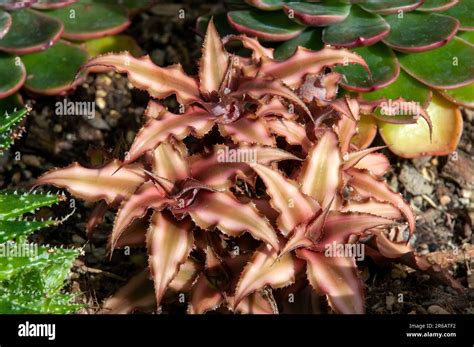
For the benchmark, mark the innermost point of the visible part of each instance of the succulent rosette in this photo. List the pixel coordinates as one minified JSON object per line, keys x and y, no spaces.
{"x":42,"y":41}
{"x":278,"y":171}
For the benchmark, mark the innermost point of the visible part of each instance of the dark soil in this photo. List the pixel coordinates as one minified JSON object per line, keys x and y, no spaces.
{"x":440,"y":189}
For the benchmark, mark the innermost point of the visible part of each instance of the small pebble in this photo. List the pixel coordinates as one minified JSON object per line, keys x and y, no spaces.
{"x":435,"y":309}
{"x":444,"y":200}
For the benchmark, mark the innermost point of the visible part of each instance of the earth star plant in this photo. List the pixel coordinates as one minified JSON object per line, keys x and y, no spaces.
{"x":39,"y":39}
{"x":230,"y":232}
{"x":416,"y":50}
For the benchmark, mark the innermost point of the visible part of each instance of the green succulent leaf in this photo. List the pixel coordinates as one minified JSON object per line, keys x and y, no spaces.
{"x":463,"y":96}
{"x":383,"y":65}
{"x":276,"y":27}
{"x":5,"y":23}
{"x":437,"y":5}
{"x":116,"y":44}
{"x":15,"y":205}
{"x":51,"y":79}
{"x":12,"y":74}
{"x":418,"y":31}
{"x":464,"y":12}
{"x":91,"y":19}
{"x":467,"y":36}
{"x":447,"y":67}
{"x":405,"y":87}
{"x":11,"y":230}
{"x":390,"y":6}
{"x":361,"y":28}
{"x":310,"y":38}
{"x":317,"y":14}
{"x":31,"y":302}
{"x":220,"y":21}
{"x":8,"y":121}
{"x":268,"y":5}
{"x":132,"y":5}
{"x":31,"y":31}
{"x":50,"y":4}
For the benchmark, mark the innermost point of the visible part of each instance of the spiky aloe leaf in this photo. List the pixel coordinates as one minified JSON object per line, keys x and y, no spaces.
{"x":427,"y":31}
{"x":91,"y":19}
{"x":19,"y":39}
{"x":360,"y":28}
{"x":14,"y":205}
{"x":8,"y":123}
{"x":412,"y":140}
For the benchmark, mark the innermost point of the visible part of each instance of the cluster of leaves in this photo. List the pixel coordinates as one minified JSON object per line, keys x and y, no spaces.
{"x":31,"y":276}
{"x":416,"y":50}
{"x":42,"y":41}
{"x":238,"y":197}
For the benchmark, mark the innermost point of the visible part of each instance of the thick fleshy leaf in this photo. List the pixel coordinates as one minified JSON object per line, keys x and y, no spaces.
{"x":248,"y":130}
{"x":375,"y":207}
{"x":339,"y":226}
{"x":390,"y":6}
{"x":12,"y":75}
{"x":337,"y":277}
{"x":204,"y":297}
{"x":320,"y":174}
{"x":368,"y":186}
{"x":405,"y":87}
{"x":383,"y":65}
{"x":148,"y":196}
{"x":463,"y":96}
{"x":194,"y":121}
{"x":437,"y":5}
{"x":5,"y":23}
{"x":463,"y":11}
{"x":310,"y":38}
{"x":359,"y":29}
{"x":255,"y":303}
{"x":144,"y":74}
{"x":51,"y":79}
{"x":454,"y":65}
{"x":50,"y":4}
{"x":276,"y":27}
{"x":314,"y":14}
{"x":137,"y":294}
{"x":418,"y":32}
{"x":258,"y":51}
{"x":13,"y":205}
{"x":306,"y":61}
{"x":220,"y":168}
{"x":268,"y":5}
{"x":31,"y":31}
{"x":214,"y":62}
{"x":466,"y":36}
{"x":275,"y":107}
{"x":224,"y":211}
{"x":285,"y":196}
{"x":113,"y":44}
{"x":169,"y":243}
{"x":265,"y":268}
{"x":108,"y":183}
{"x":413,"y":140}
{"x":91,"y":20}
{"x":293,"y":132}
